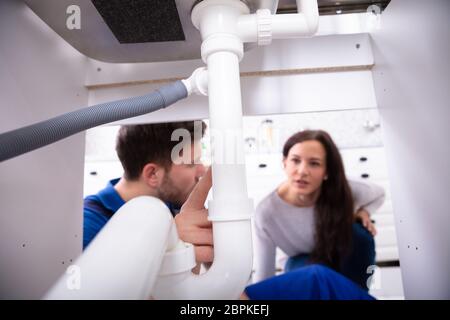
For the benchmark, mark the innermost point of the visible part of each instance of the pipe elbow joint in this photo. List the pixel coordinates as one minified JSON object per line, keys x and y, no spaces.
{"x":198,"y":82}
{"x":224,"y":280}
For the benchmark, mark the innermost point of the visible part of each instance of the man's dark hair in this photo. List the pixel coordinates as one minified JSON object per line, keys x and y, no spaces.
{"x":138,"y":145}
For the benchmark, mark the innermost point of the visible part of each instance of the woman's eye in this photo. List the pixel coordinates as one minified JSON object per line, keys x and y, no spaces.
{"x":315,"y":164}
{"x":295,"y":161}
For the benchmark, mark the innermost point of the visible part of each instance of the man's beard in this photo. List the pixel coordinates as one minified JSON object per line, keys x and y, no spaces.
{"x":170,"y":192}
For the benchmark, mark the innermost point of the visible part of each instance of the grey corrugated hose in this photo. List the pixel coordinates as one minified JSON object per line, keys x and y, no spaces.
{"x":16,"y":142}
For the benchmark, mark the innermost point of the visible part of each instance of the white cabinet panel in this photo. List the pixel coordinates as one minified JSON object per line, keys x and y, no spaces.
{"x":383,"y":220}
{"x":369,"y":164}
{"x":365,"y":163}
{"x":386,"y":237}
{"x":386,"y":207}
{"x":97,"y":174}
{"x":389,"y":253}
{"x":264,"y":165}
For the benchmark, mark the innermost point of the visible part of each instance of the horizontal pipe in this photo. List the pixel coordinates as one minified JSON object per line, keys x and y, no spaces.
{"x":124,"y":259}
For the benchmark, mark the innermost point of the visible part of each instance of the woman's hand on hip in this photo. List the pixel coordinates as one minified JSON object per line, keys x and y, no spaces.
{"x":363,"y":216}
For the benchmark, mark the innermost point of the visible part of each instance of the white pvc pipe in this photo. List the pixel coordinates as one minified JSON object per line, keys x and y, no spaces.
{"x":225,"y":113}
{"x":247,"y":26}
{"x":124,"y":259}
{"x":198,"y":82}
{"x":263,"y":26}
{"x":303,"y":23}
{"x":227,"y":277}
{"x":230,"y":210}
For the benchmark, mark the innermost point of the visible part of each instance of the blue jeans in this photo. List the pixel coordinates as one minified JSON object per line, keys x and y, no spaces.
{"x":354,"y":266}
{"x":313,"y":282}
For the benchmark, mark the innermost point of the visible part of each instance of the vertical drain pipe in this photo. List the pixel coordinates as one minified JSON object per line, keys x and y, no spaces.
{"x":230,"y":210}
{"x":224,"y":26}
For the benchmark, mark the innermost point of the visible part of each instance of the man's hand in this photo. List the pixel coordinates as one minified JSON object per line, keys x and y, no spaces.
{"x":363,"y":216}
{"x":192,"y":221}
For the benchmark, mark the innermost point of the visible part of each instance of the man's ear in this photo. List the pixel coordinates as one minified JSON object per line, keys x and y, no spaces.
{"x":152,"y":174}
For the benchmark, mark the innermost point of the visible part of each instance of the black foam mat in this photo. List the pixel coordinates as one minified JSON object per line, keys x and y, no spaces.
{"x":138,"y":21}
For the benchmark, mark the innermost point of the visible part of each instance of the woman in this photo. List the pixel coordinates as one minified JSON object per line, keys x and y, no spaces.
{"x":315,"y":282}
{"x":311,"y":215}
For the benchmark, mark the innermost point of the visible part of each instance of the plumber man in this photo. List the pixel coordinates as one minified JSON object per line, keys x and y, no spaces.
{"x":155,"y":165}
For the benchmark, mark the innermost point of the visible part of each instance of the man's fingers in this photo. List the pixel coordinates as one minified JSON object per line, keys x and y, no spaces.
{"x":200,"y":218}
{"x":197,"y":198}
{"x":197,"y":218}
{"x":199,"y":236}
{"x":204,"y":253}
{"x":201,"y":222}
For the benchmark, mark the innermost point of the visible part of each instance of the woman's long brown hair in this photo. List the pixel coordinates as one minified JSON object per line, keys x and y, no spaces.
{"x":334,"y":207}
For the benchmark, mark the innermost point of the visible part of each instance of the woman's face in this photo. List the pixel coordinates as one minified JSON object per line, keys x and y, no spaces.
{"x":305,"y":166}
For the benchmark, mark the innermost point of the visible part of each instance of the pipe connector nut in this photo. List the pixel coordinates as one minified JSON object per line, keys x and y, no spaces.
{"x":226,"y":210}
{"x":264,"y":26}
{"x":220,"y":42}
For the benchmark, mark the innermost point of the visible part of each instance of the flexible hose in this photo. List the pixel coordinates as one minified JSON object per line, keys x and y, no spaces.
{"x":19,"y":141}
